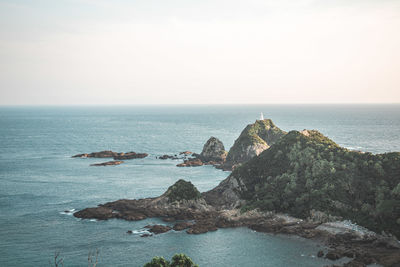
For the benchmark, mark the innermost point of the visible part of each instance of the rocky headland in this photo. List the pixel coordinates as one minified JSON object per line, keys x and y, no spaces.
{"x":253,"y":140}
{"x":303,"y":184}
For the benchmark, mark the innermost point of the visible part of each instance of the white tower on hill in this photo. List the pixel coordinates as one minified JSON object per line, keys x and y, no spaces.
{"x":262,"y":116}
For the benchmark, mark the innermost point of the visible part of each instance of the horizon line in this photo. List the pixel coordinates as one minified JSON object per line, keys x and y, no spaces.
{"x":199,"y":104}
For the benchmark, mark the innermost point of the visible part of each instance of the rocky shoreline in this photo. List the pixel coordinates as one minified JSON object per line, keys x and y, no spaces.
{"x":194,"y":215}
{"x":274,"y":172}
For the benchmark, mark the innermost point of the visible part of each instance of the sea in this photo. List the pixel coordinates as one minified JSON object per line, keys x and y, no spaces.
{"x":41,"y":185}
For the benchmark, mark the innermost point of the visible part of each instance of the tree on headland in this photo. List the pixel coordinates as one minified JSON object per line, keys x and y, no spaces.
{"x":178,"y":260}
{"x":181,"y":260}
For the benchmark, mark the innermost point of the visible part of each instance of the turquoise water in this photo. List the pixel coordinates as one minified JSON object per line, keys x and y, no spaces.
{"x":39,"y":179}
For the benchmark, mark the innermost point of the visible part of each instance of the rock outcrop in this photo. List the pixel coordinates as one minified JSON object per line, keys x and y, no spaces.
{"x":192,"y":162}
{"x":253,"y":140}
{"x":213,"y":150}
{"x":158,"y":228}
{"x":182,"y":201}
{"x":130,"y":155}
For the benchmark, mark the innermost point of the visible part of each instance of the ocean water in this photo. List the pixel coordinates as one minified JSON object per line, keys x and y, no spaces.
{"x":39,"y":180}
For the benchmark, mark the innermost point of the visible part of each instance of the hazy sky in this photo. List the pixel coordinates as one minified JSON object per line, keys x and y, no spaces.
{"x":209,"y":51}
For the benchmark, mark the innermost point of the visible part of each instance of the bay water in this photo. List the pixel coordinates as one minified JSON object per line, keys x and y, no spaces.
{"x":39,"y":180}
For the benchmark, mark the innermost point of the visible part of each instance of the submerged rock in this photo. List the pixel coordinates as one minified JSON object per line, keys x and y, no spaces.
{"x":168,"y":157}
{"x":158,"y":229}
{"x":108,"y":163}
{"x":145,"y":235}
{"x":101,"y":154}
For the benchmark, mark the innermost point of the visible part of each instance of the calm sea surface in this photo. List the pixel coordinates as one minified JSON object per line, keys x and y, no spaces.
{"x":39,"y":180}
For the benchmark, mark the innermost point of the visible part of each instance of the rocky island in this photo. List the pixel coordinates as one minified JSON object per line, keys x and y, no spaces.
{"x":303,"y":184}
{"x":213,"y":153}
{"x":117,"y":156}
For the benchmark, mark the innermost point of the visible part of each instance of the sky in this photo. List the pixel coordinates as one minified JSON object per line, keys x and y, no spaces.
{"x":131,"y":52}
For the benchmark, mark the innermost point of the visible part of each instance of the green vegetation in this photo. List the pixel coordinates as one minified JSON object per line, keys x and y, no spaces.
{"x":157,"y":262}
{"x":182,"y":190}
{"x":262,"y":132}
{"x":178,"y":260}
{"x":305,"y":171}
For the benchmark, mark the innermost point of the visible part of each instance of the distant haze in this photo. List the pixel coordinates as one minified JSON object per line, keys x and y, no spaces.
{"x":199,"y":52}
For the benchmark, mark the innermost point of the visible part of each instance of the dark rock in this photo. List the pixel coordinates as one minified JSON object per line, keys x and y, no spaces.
{"x":112,"y":154}
{"x":169,"y":219}
{"x":201,"y":228}
{"x":130,"y":155}
{"x":108,"y":163}
{"x":349,"y":254}
{"x":182,"y":226}
{"x":167,"y":157}
{"x":191,"y":163}
{"x":320,"y":254}
{"x":158,"y":229}
{"x":101,"y":154}
{"x":333,"y":255}
{"x":129,"y":232}
{"x":99,"y":213}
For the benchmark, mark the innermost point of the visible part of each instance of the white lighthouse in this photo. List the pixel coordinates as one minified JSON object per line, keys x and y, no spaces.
{"x":262,"y":116}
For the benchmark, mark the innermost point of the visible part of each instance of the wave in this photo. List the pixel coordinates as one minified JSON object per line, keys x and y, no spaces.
{"x":141,"y":232}
{"x":68,"y":212}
